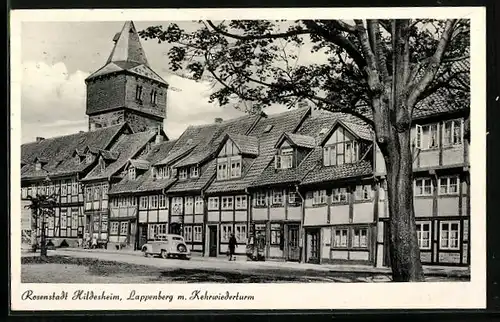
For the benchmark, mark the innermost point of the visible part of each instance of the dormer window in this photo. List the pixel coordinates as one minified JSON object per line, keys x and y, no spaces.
{"x":163,"y":172}
{"x":138,"y":93}
{"x":284,"y":160}
{"x":229,"y":168}
{"x":153,"y":96}
{"x":183,"y":173}
{"x":102,"y":165}
{"x":131,"y":173}
{"x":340,"y":148}
{"x":38,"y":166}
{"x":194,"y":172}
{"x":88,"y":158}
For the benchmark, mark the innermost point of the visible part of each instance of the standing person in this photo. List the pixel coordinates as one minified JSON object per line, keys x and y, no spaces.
{"x":232,"y":246}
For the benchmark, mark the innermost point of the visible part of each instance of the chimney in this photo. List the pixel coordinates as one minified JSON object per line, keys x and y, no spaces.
{"x":81,"y":132}
{"x":39,"y":139}
{"x":218,"y":120}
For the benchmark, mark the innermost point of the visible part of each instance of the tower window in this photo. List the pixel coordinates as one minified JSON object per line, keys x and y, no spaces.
{"x":154,"y":95}
{"x":138,"y":93}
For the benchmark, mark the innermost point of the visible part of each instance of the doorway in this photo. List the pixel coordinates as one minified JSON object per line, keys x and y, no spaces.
{"x":143,"y":235}
{"x":312,"y":246}
{"x":212,"y":241}
{"x":293,"y":243}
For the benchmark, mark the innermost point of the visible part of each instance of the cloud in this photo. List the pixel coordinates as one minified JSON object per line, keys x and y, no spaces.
{"x":53,"y":101}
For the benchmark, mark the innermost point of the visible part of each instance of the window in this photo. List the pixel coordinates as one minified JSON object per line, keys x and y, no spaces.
{"x":284,"y":160}
{"x":449,"y":235}
{"x":153,"y":96}
{"x":221,"y":170}
{"x":363,"y":193}
{"x":227,"y":203}
{"x":340,"y":238}
{"x":188,"y":204}
{"x":293,"y":198}
{"x":360,"y":238}
{"x":188,"y":233}
{"x":153,"y":202}
{"x":423,"y":235}
{"x":64,"y":190}
{"x":183,"y":173}
{"x":131,"y":173}
{"x":24,"y":193}
{"x":74,"y":188}
{"x":277,"y":197}
{"x":88,"y":158}
{"x":138,"y":92}
{"x":177,"y":206}
{"x":260,"y":199}
{"x":339,"y":195}
{"x":213,"y":203}
{"x":427,"y":136}
{"x":162,"y":201}
{"x":113,"y":228}
{"x":235,"y":168}
{"x":97,"y":193}
{"x":453,"y":132}
{"x":226,"y":231}
{"x":197,"y":234}
{"x":143,"y":202}
{"x":195,"y":172}
{"x":423,"y":187}
{"x":448,"y":185}
{"x":124,"y":228}
{"x":276,"y":234}
{"x":340,"y":152}
{"x":114,"y":202}
{"x":240,"y":232}
{"x":319,"y":197}
{"x":198,"y":205}
{"x":88,"y":193}
{"x":38,"y":166}
{"x":163,"y":172}
{"x":241,"y":202}
{"x":158,"y":231}
{"x":104,"y":191}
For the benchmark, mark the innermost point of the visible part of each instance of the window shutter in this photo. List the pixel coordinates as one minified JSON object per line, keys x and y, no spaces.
{"x":418,"y":137}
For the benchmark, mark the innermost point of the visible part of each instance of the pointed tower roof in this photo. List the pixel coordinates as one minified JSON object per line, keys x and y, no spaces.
{"x":128,"y":46}
{"x":128,"y":55}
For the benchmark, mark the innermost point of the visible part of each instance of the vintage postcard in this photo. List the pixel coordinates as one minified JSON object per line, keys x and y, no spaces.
{"x":248,"y":159}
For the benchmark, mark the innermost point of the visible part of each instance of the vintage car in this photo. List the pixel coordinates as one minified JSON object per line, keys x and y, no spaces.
{"x":167,"y":246}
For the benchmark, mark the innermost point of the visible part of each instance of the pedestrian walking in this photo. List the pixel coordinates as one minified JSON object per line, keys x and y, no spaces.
{"x":232,"y":246}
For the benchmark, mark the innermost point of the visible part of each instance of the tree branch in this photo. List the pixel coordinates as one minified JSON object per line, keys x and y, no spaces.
{"x":371,"y":62}
{"x":265,"y":36}
{"x":434,"y":63}
{"x":342,"y":25}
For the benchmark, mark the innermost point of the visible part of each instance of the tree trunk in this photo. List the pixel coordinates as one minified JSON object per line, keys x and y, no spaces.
{"x":43,"y":242}
{"x":34,"y":240}
{"x":404,"y":249}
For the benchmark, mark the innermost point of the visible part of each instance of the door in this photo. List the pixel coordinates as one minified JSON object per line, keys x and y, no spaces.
{"x":293,"y":243}
{"x":313,"y":246}
{"x":132,"y":234}
{"x":387,"y":254}
{"x":143,"y":235}
{"x":212,"y":241}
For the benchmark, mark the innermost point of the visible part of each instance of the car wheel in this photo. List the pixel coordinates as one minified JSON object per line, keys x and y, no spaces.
{"x":164,"y":254}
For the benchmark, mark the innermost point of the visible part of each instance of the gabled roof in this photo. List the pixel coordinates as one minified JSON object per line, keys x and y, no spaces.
{"x":358,"y":130}
{"x":139,"y":164}
{"x":127,"y":55}
{"x":297,"y":140}
{"x":246,"y":144}
{"x":128,"y":146}
{"x":109,"y":155}
{"x":60,"y":151}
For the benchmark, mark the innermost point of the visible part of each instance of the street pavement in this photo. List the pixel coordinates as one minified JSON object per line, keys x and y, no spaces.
{"x":241,"y":265}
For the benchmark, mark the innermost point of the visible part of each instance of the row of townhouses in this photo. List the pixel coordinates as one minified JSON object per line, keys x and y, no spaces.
{"x":311,"y":182}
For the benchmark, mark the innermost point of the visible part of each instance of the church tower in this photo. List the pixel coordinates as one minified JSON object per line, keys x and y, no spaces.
{"x":126,"y":89}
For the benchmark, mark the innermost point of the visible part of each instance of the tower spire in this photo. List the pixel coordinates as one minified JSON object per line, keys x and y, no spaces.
{"x":128,"y":46}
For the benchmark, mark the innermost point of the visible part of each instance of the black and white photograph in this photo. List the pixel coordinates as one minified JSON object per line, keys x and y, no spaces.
{"x":231,"y":149}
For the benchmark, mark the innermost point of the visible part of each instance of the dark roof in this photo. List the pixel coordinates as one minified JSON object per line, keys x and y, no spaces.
{"x":361,"y":130}
{"x":321,"y":173}
{"x":298,"y":140}
{"x":109,"y":155}
{"x":59,"y":151}
{"x":127,"y":146}
{"x":246,"y":144}
{"x":283,"y":122}
{"x":139,"y":164}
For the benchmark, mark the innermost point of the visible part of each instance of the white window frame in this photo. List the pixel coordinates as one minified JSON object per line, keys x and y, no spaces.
{"x":143,"y":202}
{"x":421,"y":234}
{"x":177,"y":204}
{"x":183,"y":174}
{"x":447,"y":185}
{"x":363,"y":193}
{"x":236,"y":171}
{"x":131,"y":173}
{"x":293,"y":200}
{"x":188,"y":233}
{"x":338,"y":193}
{"x":432,"y":131}
{"x":162,"y":172}
{"x":240,"y":232}
{"x":114,"y":228}
{"x":227,"y":203}
{"x":284,"y":160}
{"x":452,"y":132}
{"x":240,"y":202}
{"x":225,"y":232}
{"x":277,"y":197}
{"x":213,"y":203}
{"x":449,"y":239}
{"x":153,"y":202}
{"x":343,"y":241}
{"x":358,"y":238}
{"x":423,"y":180}
{"x":222,"y":169}
{"x":319,"y":197}
{"x":198,"y":205}
{"x":197,"y":233}
{"x":122,"y":225}
{"x":189,"y":204}
{"x":157,"y":229}
{"x":260,"y":199}
{"x":194,"y":172}
{"x":162,"y":202}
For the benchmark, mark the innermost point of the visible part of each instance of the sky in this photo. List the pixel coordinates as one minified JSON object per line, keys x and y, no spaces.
{"x":58,"y":56}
